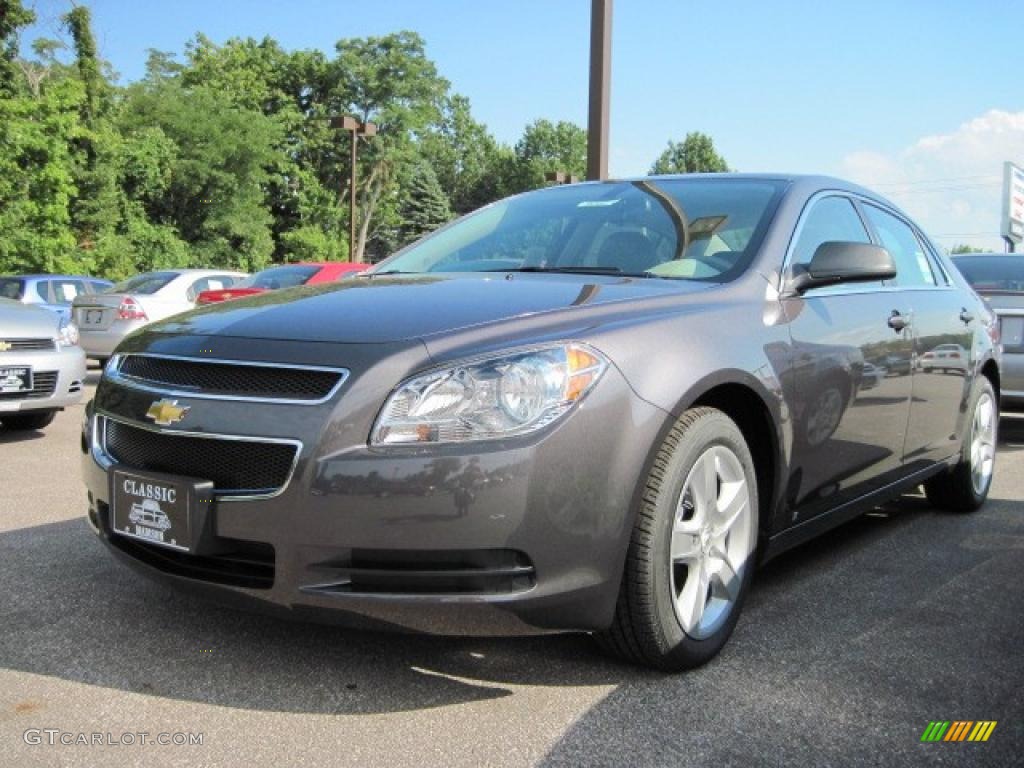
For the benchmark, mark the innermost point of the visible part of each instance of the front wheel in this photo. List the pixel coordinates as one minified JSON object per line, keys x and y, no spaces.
{"x":691,"y":553}
{"x":26,"y":421}
{"x":965,"y":487}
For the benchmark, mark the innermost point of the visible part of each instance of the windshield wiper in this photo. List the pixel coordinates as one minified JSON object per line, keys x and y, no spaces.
{"x":577,"y":270}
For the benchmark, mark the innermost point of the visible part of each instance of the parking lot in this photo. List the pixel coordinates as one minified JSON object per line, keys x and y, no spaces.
{"x":846,"y":650}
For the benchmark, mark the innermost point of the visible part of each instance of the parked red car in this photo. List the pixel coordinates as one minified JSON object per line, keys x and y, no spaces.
{"x":285,"y":276}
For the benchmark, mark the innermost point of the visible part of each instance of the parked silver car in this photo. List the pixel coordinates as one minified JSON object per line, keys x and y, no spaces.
{"x":999,"y":279}
{"x":42,"y":368}
{"x":52,"y":292}
{"x":105,"y":319}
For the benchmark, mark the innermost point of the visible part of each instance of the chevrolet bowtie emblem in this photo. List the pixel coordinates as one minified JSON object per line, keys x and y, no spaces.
{"x":5,"y":346}
{"x":166,"y":412}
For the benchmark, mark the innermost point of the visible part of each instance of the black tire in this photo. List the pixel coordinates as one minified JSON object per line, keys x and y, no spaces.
{"x":954,"y":490}
{"x":27,"y":421}
{"x":645,"y":629}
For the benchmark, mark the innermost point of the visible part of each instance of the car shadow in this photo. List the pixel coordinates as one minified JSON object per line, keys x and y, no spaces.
{"x":20,"y":435}
{"x":78,"y":615}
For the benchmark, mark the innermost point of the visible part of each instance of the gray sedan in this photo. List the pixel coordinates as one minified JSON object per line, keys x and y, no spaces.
{"x":999,"y":280}
{"x":42,"y":368}
{"x":592,"y":407}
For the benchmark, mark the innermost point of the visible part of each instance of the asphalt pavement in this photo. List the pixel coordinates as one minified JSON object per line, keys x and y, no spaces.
{"x":847,"y":648}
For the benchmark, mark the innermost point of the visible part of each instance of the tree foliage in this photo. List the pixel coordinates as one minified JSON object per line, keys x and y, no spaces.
{"x":694,"y":154}
{"x":225,"y":155}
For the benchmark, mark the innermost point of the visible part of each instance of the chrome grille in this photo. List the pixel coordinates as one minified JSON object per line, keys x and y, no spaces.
{"x":237,"y":466}
{"x":43,"y":385}
{"x":26,"y":345}
{"x":229,"y":379}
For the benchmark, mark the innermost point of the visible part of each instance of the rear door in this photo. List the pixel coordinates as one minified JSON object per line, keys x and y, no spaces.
{"x":851,"y":365}
{"x":943,"y":329}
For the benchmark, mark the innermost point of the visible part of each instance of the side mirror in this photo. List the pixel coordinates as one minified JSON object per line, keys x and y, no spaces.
{"x":838,"y":262}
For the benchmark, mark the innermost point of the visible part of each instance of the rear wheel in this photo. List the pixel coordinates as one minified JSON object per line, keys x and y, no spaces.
{"x":691,"y":554}
{"x":26,"y":421}
{"x":965,"y":487}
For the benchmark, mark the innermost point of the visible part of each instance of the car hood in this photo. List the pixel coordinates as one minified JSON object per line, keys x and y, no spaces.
{"x":19,"y":320}
{"x":393,"y":308}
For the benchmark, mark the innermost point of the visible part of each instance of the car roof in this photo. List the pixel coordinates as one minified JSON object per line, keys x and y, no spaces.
{"x":44,"y":276}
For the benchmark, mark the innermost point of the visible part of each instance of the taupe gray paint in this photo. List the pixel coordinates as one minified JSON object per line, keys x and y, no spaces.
{"x":566,"y":496}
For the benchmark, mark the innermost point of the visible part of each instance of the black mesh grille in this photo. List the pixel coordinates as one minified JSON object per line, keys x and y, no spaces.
{"x":23,"y":345}
{"x":43,"y":385}
{"x":230,"y":379}
{"x":235,"y":466}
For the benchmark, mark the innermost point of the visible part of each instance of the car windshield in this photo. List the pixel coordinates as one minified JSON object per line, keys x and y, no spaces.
{"x":1003,"y":274}
{"x":695,"y":229}
{"x":280,"y":277}
{"x":147,"y":283}
{"x":11,"y":288}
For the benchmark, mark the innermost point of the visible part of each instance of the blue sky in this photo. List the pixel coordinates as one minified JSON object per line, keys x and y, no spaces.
{"x":844,"y":88}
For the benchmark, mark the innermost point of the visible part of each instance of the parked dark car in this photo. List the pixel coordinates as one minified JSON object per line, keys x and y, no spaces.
{"x":999,"y":279}
{"x":591,"y":407}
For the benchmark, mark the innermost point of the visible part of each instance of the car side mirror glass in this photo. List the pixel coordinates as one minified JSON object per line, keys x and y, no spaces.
{"x":837,"y":262}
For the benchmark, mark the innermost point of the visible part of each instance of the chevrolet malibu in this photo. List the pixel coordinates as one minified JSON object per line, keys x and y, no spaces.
{"x":592,"y":407}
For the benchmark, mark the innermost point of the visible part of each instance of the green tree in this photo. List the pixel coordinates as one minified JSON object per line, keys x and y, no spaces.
{"x":467,"y":160}
{"x":964,"y":248}
{"x":546,"y":147}
{"x":36,"y":181}
{"x":390,"y":81}
{"x":694,"y":154}
{"x":424,"y":206}
{"x":13,"y":16}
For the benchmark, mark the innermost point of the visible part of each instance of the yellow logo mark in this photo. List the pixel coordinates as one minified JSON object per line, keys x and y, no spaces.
{"x":166,"y":412}
{"x":5,"y":347}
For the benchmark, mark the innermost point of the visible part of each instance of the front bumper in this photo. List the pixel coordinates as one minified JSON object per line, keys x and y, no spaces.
{"x":522,"y":535}
{"x":63,"y":367}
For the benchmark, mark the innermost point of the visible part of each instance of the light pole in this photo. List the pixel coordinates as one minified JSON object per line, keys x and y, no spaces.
{"x":348,"y":123}
{"x":600,"y":88}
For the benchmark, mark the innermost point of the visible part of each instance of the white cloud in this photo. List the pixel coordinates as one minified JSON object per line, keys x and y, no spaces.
{"x":951,"y":184}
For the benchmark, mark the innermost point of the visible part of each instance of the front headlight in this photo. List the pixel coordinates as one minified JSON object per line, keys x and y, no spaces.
{"x":489,"y":399}
{"x":67,"y":334}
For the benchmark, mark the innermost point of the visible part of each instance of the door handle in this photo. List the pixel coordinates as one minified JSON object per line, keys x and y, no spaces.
{"x":965,"y":316}
{"x":897,"y":321}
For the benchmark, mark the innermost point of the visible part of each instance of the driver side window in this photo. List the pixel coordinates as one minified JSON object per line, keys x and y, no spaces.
{"x":830,"y":219}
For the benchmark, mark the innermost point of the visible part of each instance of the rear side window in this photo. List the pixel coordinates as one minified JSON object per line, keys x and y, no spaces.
{"x":831,"y":219}
{"x":912,"y":267}
{"x":281,"y":277}
{"x":146,"y":283}
{"x":11,"y":288}
{"x":64,"y":291}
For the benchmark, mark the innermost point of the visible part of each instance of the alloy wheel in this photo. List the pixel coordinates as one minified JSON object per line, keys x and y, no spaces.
{"x":712,"y":540}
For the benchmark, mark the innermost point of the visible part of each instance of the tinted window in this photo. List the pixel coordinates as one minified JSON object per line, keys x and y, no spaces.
{"x":280,"y":277}
{"x":993,"y":273}
{"x":11,"y":288}
{"x":696,"y":229}
{"x":912,"y":267}
{"x":831,"y":219}
{"x":99,"y":286}
{"x":149,"y":282}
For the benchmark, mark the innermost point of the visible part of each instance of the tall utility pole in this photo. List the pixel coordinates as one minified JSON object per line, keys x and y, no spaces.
{"x":348,"y":123}
{"x":600,"y":88}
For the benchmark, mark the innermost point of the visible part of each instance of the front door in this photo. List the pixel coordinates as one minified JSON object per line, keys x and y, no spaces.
{"x":851,"y":351}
